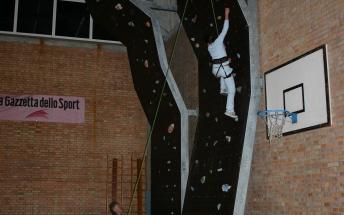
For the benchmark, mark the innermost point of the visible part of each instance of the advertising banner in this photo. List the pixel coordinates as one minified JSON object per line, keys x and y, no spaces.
{"x":42,"y":108}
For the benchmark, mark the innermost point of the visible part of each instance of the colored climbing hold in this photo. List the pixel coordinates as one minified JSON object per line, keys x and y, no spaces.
{"x":218,"y":206}
{"x":146,"y":63}
{"x":225,"y":188}
{"x":239,"y":89}
{"x":170,"y":128}
{"x":131,"y":24}
{"x":194,"y":19}
{"x":203,"y":179}
{"x":118,"y":6}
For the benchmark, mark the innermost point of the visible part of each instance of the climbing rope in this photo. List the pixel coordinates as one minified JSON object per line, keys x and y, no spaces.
{"x":157,"y":109}
{"x":215,"y":22}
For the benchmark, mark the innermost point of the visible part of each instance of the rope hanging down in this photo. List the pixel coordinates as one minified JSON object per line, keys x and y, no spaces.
{"x":157,"y":109}
{"x":212,"y":7}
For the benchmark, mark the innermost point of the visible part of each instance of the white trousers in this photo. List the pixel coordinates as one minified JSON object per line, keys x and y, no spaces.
{"x":226,"y":84}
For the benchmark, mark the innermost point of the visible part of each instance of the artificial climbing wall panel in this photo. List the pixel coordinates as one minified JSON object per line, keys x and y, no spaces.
{"x":216,"y":157}
{"x":124,"y":20}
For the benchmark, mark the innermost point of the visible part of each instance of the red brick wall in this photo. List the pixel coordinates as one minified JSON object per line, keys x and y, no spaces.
{"x":55,"y":168}
{"x":305,"y":174}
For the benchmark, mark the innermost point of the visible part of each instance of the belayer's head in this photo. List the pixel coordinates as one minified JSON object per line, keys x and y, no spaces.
{"x":115,"y":208}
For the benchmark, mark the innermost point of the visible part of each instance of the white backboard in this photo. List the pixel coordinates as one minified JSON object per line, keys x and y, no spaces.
{"x":301,"y":86}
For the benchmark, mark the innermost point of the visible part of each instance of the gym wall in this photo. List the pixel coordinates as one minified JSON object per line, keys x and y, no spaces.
{"x":56,"y":168}
{"x":304,"y":175}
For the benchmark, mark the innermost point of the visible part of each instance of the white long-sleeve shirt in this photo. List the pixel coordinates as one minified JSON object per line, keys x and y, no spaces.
{"x":217,"y":49}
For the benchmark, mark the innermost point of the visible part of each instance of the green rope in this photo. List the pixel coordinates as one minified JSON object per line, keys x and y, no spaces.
{"x":157,"y":110}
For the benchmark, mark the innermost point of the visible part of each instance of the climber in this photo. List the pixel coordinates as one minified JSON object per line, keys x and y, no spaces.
{"x":221,"y":68}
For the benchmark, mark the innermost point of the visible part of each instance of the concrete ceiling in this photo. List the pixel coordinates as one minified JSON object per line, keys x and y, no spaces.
{"x":166,"y":13}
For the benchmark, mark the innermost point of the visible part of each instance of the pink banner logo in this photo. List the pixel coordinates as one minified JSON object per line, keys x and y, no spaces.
{"x":42,"y":108}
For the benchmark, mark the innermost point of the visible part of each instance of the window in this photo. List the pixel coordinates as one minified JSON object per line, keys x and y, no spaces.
{"x":6,"y":15}
{"x":35,"y":16}
{"x":72,"y":19}
{"x":66,"y":19}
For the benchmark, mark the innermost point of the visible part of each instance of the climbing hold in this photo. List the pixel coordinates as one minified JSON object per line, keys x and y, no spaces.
{"x":218,"y":206}
{"x":174,"y":148}
{"x":196,"y":161}
{"x":207,"y":114}
{"x":146,"y":41}
{"x":154,"y":91}
{"x":146,"y":64}
{"x":194,"y":19}
{"x":170,"y":128}
{"x":164,"y":138}
{"x":226,"y":188}
{"x":192,"y":188}
{"x":131,"y":24}
{"x":197,"y":45}
{"x":219,"y":17}
{"x":219,"y":170}
{"x":157,"y":82}
{"x":216,"y":119}
{"x":215,"y":142}
{"x":211,"y":171}
{"x":204,"y":90}
{"x":168,"y":162}
{"x":228,"y":139}
{"x":192,"y":39}
{"x":238,"y":89}
{"x":118,"y":6}
{"x":202,"y":180}
{"x":238,"y":55}
{"x":211,"y":25}
{"x":148,"y":24}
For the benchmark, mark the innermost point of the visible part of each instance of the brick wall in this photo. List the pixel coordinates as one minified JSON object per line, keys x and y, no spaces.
{"x":305,"y":174}
{"x":55,"y":168}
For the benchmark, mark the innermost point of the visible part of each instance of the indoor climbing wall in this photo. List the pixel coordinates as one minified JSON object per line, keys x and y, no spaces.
{"x":216,"y":156}
{"x":123,"y":20}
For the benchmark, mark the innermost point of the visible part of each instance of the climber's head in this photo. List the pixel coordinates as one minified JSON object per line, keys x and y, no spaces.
{"x":209,"y":39}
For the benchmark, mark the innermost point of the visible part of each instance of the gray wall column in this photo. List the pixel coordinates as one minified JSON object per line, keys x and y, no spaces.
{"x":249,"y":9}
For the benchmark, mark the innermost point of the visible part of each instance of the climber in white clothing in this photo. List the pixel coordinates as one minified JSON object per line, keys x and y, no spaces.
{"x":221,"y":68}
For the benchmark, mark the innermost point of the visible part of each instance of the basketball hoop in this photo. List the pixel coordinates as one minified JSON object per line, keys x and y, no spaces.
{"x":275,"y":121}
